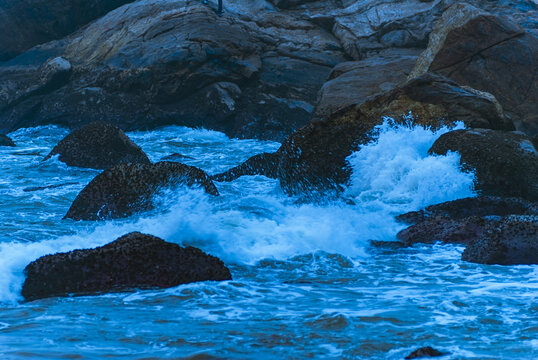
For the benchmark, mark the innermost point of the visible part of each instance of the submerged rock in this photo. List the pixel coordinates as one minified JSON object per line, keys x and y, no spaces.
{"x":427,"y":351}
{"x":126,"y":189}
{"x":133,"y":261}
{"x":505,"y":163}
{"x":6,"y":141}
{"x":488,"y":53}
{"x":512,"y":241}
{"x":98,"y":146}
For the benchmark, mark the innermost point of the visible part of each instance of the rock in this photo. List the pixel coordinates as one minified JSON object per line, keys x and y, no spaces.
{"x":513,"y":241}
{"x":176,"y":157}
{"x":26,"y":23}
{"x":39,"y":188}
{"x":425,"y":352}
{"x":488,"y":53}
{"x":98,"y":146}
{"x":445,"y":230}
{"x":313,"y":159}
{"x":262,"y":164}
{"x":356,"y":81}
{"x":472,"y":206}
{"x":153,"y":63}
{"x":505,"y":163}
{"x":6,"y":141}
{"x":133,"y":261}
{"x":126,"y":189}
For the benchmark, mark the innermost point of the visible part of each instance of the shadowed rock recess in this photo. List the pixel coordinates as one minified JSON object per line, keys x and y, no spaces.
{"x":6,"y":141}
{"x":98,"y":146}
{"x":126,"y":189}
{"x":133,"y":261}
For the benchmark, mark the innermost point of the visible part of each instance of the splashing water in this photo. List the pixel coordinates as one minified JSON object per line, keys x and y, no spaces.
{"x":306,"y":282}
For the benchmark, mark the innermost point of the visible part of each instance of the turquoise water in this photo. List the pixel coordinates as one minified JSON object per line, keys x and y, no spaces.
{"x":306,"y":283}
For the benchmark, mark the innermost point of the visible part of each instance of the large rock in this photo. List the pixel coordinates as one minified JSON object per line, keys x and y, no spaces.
{"x":514,"y":241}
{"x":261,"y":164}
{"x":26,"y":23}
{"x":98,"y":146}
{"x":6,"y":141}
{"x":505,"y":163}
{"x":488,"y":53}
{"x":126,"y":189}
{"x":133,"y":261}
{"x":154,"y":62}
{"x":356,"y":81}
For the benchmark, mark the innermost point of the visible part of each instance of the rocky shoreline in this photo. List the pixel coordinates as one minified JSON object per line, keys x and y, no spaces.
{"x":318,"y":76}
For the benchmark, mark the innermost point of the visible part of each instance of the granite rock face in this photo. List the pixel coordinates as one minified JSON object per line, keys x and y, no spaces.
{"x":98,"y":146}
{"x":488,"y":53}
{"x":505,"y":163}
{"x":126,"y":189}
{"x":26,"y":23}
{"x":133,"y":261}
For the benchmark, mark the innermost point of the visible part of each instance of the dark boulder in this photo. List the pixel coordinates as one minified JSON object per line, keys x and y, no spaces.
{"x":177,"y":157}
{"x":513,"y":241}
{"x":505,"y":163}
{"x":98,"y":146}
{"x":427,"y":351}
{"x":26,"y":23}
{"x":133,"y":261}
{"x":445,"y":230}
{"x":488,"y":53}
{"x":262,"y":164}
{"x":472,"y":206}
{"x":6,"y":141}
{"x":126,"y":189}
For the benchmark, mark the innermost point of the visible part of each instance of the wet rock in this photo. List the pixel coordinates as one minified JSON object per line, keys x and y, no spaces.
{"x":513,"y":241}
{"x":505,"y":163}
{"x":98,"y":146}
{"x":446,"y":230}
{"x":262,"y":164}
{"x":425,"y":352}
{"x":472,"y":206}
{"x":6,"y":141}
{"x":313,"y":159}
{"x":488,"y":53}
{"x":26,"y":23}
{"x":133,"y":261}
{"x":176,"y":157}
{"x":126,"y":189}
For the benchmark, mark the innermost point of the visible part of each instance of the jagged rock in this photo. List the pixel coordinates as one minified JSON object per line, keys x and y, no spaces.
{"x":513,"y":241}
{"x":98,"y":146}
{"x":472,"y":206}
{"x":26,"y":23}
{"x":425,"y":352}
{"x":153,"y":63}
{"x":133,"y":261}
{"x":126,"y":189}
{"x":488,"y":53}
{"x":6,"y":141}
{"x":505,"y":163}
{"x":262,"y":164}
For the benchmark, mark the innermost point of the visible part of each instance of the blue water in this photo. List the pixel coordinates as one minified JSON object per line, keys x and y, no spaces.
{"x":306,"y":283}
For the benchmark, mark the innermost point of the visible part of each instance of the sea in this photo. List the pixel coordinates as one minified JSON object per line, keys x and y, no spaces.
{"x":307,"y":284}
